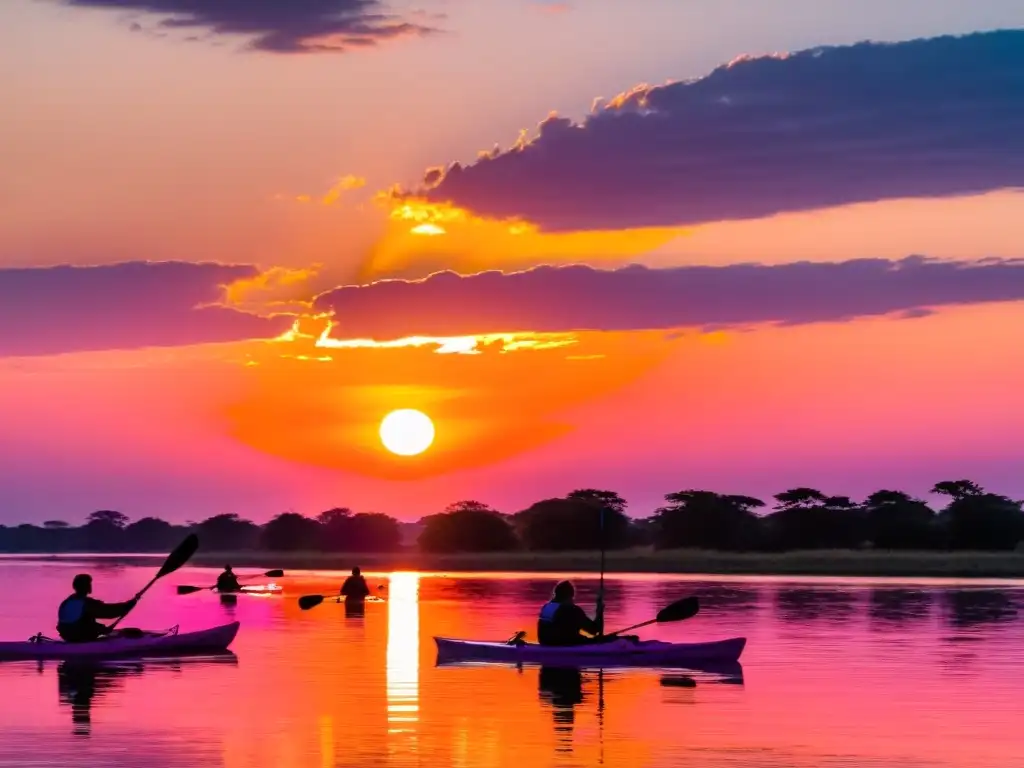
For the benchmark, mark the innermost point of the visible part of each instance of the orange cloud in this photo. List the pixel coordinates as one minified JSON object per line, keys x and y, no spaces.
{"x":278,"y":289}
{"x":422,"y":237}
{"x":341,"y":186}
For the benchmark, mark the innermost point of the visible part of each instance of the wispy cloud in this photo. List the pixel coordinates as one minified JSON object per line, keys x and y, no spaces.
{"x":344,"y":184}
{"x":766,"y":135}
{"x":278,"y":26}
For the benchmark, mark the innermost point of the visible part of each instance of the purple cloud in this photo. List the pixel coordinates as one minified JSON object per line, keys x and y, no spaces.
{"x":278,"y":26}
{"x":51,"y":310}
{"x":574,"y":298}
{"x":761,"y":136}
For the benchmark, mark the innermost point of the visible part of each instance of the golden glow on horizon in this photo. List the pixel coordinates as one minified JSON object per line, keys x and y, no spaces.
{"x":407,"y":432}
{"x":428,"y":229}
{"x":446,"y":345}
{"x":492,"y":406}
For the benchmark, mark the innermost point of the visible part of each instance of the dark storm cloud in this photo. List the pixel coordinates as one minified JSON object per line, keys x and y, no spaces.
{"x":572,"y":298}
{"x":280,"y":26}
{"x":51,"y":310}
{"x":768,"y":135}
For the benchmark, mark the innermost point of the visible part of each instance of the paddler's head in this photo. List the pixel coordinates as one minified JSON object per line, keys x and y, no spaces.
{"x":564,"y":592}
{"x":356,"y":571}
{"x":82,"y":584}
{"x":227,"y":569}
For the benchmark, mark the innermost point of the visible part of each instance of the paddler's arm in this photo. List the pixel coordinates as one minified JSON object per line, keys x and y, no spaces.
{"x":100,"y":610}
{"x":587,"y":624}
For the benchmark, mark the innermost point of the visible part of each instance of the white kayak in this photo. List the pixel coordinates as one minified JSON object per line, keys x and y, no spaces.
{"x":623,"y":652}
{"x":150,"y":644}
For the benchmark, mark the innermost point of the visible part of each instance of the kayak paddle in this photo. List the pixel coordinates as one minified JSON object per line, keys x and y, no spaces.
{"x":599,"y":617}
{"x":274,"y":574}
{"x":174,"y":561}
{"x":310,"y":601}
{"x":686,"y":608}
{"x":186,"y":589}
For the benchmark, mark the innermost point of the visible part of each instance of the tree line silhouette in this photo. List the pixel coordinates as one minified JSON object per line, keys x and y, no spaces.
{"x":801,"y":518}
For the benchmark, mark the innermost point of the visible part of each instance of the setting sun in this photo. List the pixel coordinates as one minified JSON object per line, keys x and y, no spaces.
{"x":407,"y":432}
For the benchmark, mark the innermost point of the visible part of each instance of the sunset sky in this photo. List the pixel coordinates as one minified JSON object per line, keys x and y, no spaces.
{"x":643,"y":246}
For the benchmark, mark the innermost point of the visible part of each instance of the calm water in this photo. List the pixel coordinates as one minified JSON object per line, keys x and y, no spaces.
{"x":836,"y":673}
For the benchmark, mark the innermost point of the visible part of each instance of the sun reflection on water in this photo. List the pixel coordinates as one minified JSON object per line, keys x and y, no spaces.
{"x":403,"y":660}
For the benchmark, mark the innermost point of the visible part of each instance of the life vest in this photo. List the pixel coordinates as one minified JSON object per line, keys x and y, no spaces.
{"x":548,"y":611}
{"x":71,"y":611}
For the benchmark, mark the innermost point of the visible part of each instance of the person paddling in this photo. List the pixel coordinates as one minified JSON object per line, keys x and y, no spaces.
{"x":77,"y":615}
{"x":227,"y":581}
{"x":562,"y":622}
{"x":354,"y":590}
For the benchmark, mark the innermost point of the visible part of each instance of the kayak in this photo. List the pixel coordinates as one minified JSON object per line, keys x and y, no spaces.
{"x":166,"y":643}
{"x":614,"y":653}
{"x":253,"y":589}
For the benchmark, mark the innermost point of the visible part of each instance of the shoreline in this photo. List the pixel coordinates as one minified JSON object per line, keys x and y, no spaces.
{"x":918,"y":564}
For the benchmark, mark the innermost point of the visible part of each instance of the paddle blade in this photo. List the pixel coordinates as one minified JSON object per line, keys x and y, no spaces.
{"x":276,"y":574}
{"x":310,"y":601}
{"x":181,"y":555}
{"x":681,"y":609}
{"x":185,"y":589}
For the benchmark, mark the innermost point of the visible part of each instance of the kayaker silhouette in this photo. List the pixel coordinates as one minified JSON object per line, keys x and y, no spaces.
{"x":354,"y":590}
{"x":227,"y":581}
{"x":77,"y":615}
{"x":562,"y":622}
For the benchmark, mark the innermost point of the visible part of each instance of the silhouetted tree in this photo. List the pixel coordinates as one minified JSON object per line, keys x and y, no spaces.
{"x":108,"y":517}
{"x":374,"y":532}
{"x":975,"y":519}
{"x":802,"y":518}
{"x":104,"y":531}
{"x":467,"y":526}
{"x":805,"y":518}
{"x":151,"y":534}
{"x":607,"y":499}
{"x":895,"y":520}
{"x":336,"y":529}
{"x":957,"y":489}
{"x":571,"y":524}
{"x":228,"y":532}
{"x":291,"y":531}
{"x":707,"y":520}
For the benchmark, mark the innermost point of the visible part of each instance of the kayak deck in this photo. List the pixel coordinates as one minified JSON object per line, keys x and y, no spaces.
{"x":168,"y":643}
{"x":624,"y":653}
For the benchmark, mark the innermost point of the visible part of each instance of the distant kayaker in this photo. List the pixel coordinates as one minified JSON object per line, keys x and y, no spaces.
{"x":562,"y":622}
{"x":77,"y":615}
{"x":354,"y":589}
{"x":227,"y":581}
